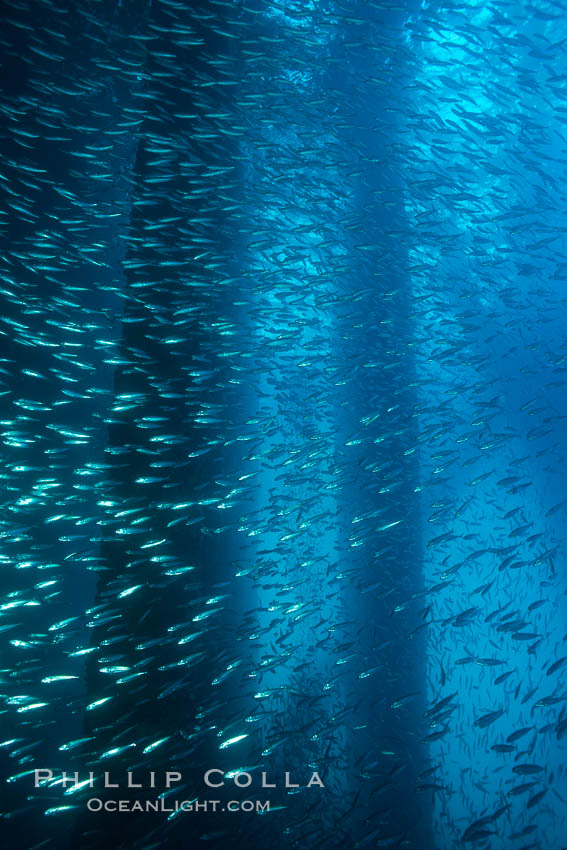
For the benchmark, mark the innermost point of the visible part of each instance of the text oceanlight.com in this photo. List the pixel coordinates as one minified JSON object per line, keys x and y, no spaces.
{"x":95,"y":804}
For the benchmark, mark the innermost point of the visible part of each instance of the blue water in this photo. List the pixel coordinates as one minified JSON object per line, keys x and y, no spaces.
{"x":283,"y":402}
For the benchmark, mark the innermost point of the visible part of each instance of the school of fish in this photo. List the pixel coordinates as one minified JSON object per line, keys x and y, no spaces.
{"x":283,"y":378}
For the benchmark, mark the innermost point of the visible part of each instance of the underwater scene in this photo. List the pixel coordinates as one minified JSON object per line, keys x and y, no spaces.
{"x":283,"y":424}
